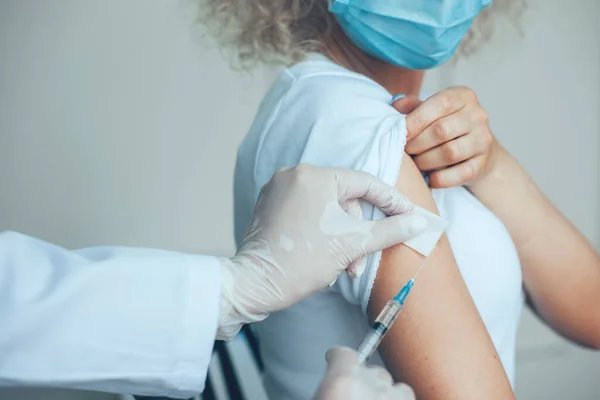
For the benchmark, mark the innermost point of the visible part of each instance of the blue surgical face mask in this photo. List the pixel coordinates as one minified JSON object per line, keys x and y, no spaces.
{"x":414,"y":34}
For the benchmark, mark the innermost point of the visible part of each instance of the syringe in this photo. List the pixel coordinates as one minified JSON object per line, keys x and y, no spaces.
{"x":384,"y":320}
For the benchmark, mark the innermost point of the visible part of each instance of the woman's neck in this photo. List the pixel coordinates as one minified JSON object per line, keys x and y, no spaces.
{"x":396,"y":80}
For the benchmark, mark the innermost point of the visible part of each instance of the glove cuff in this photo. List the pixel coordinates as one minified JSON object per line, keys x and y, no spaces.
{"x":233,"y":312}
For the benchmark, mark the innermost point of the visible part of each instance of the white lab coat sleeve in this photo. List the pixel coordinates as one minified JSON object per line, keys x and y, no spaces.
{"x":118,"y":320}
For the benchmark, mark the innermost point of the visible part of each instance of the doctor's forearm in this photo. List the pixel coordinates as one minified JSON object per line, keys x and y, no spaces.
{"x":561,"y":270}
{"x":110,"y":319}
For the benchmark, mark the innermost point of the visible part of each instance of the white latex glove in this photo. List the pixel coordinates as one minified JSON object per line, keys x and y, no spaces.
{"x":346,"y":380}
{"x":302,"y":237}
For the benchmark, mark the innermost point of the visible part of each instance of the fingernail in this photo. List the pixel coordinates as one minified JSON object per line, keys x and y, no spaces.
{"x":401,"y":204}
{"x":418,"y":224}
{"x":398,"y":97}
{"x":360,"y":267}
{"x":406,"y":206}
{"x":351,"y":272}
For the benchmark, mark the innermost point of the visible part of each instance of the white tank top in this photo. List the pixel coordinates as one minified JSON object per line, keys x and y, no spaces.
{"x":323,"y":114}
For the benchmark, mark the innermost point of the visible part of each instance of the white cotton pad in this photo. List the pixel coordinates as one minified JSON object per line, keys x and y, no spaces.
{"x":426,"y":241}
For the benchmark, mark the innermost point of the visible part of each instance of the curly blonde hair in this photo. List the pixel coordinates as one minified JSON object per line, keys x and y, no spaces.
{"x":285,"y":31}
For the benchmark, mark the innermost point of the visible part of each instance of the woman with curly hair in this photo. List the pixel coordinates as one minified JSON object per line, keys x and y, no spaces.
{"x":504,"y":243}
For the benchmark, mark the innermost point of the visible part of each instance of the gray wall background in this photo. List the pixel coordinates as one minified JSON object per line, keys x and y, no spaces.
{"x":118,"y":125}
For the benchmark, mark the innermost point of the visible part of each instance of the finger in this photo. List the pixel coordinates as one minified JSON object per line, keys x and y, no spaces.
{"x":357,"y":267}
{"x":362,"y":185}
{"x":353,"y":208}
{"x":401,"y":391}
{"x":393,"y":230}
{"x":448,"y":154}
{"x":406,"y":104}
{"x":457,"y":175}
{"x":340,"y":360}
{"x":437,"y":106}
{"x":439,"y":132}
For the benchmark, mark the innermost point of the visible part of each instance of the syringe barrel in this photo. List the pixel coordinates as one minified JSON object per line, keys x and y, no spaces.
{"x":390,"y":312}
{"x":378,"y":329}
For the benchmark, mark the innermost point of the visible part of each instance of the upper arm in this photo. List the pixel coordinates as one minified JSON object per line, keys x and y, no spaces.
{"x":439,"y":344}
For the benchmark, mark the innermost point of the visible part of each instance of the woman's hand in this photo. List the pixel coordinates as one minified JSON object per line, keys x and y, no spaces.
{"x":449,"y":136}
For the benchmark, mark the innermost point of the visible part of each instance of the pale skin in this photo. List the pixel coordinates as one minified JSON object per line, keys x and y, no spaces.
{"x":449,"y":137}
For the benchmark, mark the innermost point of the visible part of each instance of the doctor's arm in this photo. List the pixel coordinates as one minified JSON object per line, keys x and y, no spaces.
{"x":143,"y":321}
{"x":109,"y":319}
{"x":439,"y":344}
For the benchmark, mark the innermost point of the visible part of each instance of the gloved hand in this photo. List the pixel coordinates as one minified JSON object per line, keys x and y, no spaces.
{"x":302,"y":237}
{"x":346,"y":380}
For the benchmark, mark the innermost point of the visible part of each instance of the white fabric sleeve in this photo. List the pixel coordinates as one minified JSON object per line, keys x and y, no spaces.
{"x":117,"y":320}
{"x":383,"y":159}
